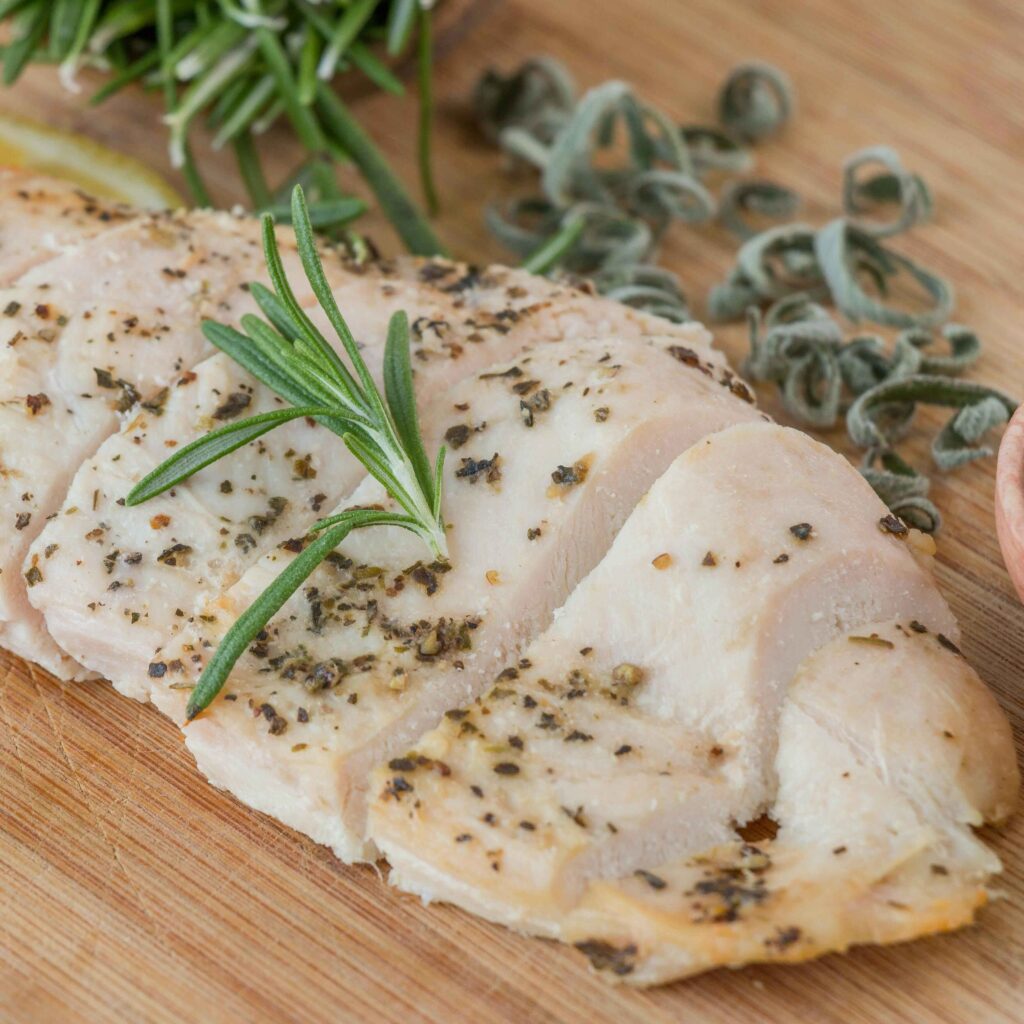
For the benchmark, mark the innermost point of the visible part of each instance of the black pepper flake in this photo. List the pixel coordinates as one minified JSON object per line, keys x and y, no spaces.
{"x":783,"y":938}
{"x":402,"y":764}
{"x":602,"y":413}
{"x":473,"y":469}
{"x":917,"y":627}
{"x":477,"y":792}
{"x":654,"y":881}
{"x":947,"y":643}
{"x":245,"y":541}
{"x":397,"y":786}
{"x":33,"y":576}
{"x":569,"y":476}
{"x":781,"y":559}
{"x":603,"y":956}
{"x":894,"y":525}
{"x":624,"y":749}
{"x":12,"y":308}
{"x":226,"y":487}
{"x":175,"y":555}
{"x":802,"y":531}
{"x":529,"y":407}
{"x":513,"y":372}
{"x":528,"y":826}
{"x":22,"y":519}
{"x":529,"y":702}
{"x":709,"y":560}
{"x":302,"y":715}
{"x":576,"y":736}
{"x":533,"y":533}
{"x":157,"y":669}
{"x":463,"y":837}
{"x":506,"y":768}
{"x":685,"y":355}
{"x":156,"y":404}
{"x":277,"y":723}
{"x":457,"y":436}
{"x":232,"y":406}
{"x":36,"y":403}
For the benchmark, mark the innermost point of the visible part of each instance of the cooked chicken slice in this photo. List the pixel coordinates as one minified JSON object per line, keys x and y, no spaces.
{"x":890,"y":747}
{"x":44,"y":216}
{"x":82,"y":337}
{"x":645,"y":719}
{"x":549,"y":455}
{"x":112,"y":614}
{"x":116,"y":582}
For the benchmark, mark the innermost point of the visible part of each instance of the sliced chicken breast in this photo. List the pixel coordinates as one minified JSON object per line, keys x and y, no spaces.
{"x":890,"y":748}
{"x":82,"y":338}
{"x":44,"y":217}
{"x":644,"y":722}
{"x":550,"y":453}
{"x":113,"y":585}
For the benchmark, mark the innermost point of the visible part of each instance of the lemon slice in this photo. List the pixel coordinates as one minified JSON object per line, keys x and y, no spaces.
{"x":97,"y":169}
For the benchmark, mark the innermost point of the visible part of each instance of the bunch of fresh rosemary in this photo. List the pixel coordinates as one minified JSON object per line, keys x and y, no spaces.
{"x":603,"y":218}
{"x":290,"y":355}
{"x":246,"y":65}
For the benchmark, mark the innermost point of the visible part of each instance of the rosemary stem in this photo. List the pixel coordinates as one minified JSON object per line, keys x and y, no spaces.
{"x":399,"y":208}
{"x":548,"y":255}
{"x":424,"y":68}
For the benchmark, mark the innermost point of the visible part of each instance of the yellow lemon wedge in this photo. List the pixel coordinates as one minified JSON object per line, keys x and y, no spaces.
{"x":99,"y":170}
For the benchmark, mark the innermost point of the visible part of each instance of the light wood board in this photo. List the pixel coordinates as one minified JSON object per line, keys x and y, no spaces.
{"x":132,"y":891}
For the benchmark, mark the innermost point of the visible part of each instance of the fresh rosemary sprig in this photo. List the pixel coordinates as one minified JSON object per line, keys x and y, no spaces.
{"x":246,"y":65}
{"x":290,"y":355}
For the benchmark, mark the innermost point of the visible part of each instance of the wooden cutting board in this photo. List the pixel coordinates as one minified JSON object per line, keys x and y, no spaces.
{"x":132,"y":891}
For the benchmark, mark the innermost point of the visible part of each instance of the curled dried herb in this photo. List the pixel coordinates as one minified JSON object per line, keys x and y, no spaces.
{"x":616,"y":173}
{"x":602,"y":215}
{"x":880,"y":418}
{"x":743,"y":199}
{"x":799,"y":347}
{"x":756,"y":101}
{"x":892,"y":185}
{"x":902,"y":488}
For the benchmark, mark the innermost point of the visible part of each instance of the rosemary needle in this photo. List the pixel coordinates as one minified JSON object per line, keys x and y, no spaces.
{"x":290,"y":355}
{"x":243,"y":67}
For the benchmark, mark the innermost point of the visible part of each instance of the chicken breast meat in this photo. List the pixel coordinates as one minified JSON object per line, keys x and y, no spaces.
{"x":890,"y":749}
{"x":614,"y":742}
{"x":684,"y":695}
{"x":550,"y":453}
{"x":44,"y":217}
{"x":83,"y":338}
{"x":114,"y":584}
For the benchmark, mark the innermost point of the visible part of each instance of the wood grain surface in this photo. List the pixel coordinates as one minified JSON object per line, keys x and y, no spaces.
{"x":132,"y":891}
